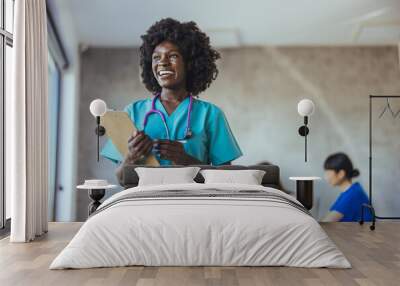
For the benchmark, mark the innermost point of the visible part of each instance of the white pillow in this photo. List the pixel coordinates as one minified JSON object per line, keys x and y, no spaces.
{"x":163,"y":176}
{"x":248,"y":177}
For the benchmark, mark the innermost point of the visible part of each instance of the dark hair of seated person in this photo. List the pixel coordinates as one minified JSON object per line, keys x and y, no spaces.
{"x":194,"y":45}
{"x":340,"y":161}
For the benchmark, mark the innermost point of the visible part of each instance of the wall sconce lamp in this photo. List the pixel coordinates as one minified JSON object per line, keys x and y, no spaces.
{"x":305,"y":108}
{"x":98,"y":108}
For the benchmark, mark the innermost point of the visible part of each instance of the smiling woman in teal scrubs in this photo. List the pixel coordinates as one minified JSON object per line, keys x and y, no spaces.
{"x":177,"y":64}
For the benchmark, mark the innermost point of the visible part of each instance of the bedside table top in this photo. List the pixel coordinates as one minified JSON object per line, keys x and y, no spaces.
{"x":83,"y":187}
{"x":96,"y":184}
{"x":304,"y":178}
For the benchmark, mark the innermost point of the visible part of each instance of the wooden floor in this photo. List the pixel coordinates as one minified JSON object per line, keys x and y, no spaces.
{"x":375,"y":257}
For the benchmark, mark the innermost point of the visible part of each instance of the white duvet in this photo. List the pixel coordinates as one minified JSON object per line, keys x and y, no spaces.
{"x":200,"y":231}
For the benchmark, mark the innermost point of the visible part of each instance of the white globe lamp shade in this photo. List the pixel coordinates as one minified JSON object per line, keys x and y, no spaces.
{"x":98,"y":107}
{"x":305,"y":107}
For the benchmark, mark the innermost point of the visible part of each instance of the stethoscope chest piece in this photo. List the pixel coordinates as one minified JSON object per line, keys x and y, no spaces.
{"x":188,"y":134}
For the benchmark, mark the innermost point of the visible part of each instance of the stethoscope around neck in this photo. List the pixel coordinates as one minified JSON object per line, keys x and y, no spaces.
{"x":153,"y":110}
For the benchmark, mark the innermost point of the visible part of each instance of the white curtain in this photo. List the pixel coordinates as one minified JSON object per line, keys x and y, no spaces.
{"x":27,"y":155}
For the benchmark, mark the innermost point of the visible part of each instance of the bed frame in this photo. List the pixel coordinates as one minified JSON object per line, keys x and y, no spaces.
{"x":271,"y":178}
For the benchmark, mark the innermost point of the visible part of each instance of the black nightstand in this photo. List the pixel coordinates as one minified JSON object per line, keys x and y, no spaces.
{"x":96,"y":190}
{"x":304,"y":190}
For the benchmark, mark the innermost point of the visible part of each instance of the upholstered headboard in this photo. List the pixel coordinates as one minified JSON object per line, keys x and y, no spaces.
{"x":271,"y":178}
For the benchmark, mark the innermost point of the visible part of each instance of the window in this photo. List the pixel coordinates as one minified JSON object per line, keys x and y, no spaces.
{"x":54,"y":99}
{"x":57,"y":61}
{"x":9,"y":18}
{"x":57,"y":64}
{"x":6,"y":43}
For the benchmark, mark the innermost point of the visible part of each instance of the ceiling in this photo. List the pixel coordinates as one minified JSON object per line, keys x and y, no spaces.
{"x":119,"y":23}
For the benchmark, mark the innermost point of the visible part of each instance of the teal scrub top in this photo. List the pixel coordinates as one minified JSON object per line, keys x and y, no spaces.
{"x":212,"y":140}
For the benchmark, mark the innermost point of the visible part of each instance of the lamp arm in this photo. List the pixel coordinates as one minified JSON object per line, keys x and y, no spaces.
{"x":305,"y":148}
{"x":305,"y":138}
{"x":98,"y":138}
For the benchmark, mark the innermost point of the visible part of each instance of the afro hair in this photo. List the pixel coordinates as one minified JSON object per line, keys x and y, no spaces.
{"x":194,"y":45}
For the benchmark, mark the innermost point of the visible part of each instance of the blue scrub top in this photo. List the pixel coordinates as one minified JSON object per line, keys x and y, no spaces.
{"x":212,"y":140}
{"x":349,"y":204}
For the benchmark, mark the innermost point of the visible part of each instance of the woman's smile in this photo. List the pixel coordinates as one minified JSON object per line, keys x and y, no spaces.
{"x":162,"y":74}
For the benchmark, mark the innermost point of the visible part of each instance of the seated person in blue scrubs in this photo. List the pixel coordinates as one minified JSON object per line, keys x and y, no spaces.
{"x":339,"y":172}
{"x":177,"y":63}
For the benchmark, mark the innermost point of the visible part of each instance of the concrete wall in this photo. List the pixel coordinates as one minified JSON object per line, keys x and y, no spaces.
{"x":259,"y":88}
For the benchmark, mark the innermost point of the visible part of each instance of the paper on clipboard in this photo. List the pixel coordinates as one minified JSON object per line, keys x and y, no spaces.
{"x":119,"y":127}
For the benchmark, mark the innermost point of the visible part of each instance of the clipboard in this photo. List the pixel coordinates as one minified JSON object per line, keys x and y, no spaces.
{"x":119,"y":127}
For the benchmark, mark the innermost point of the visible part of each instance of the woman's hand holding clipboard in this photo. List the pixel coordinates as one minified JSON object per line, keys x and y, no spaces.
{"x":131,"y":143}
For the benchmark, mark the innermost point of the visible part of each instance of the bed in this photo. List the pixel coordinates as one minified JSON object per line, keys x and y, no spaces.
{"x":198,"y":224}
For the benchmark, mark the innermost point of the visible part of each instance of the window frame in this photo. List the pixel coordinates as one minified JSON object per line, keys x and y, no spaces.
{"x":6,"y":39}
{"x":52,"y":176}
{"x":57,"y":52}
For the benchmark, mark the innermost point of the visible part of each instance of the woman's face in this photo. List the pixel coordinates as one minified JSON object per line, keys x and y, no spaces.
{"x":168,"y":66}
{"x":335,"y":178}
